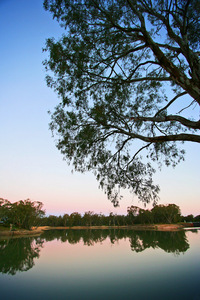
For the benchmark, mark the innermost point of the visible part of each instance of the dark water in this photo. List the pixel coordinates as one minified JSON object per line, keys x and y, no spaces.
{"x":101,"y":264}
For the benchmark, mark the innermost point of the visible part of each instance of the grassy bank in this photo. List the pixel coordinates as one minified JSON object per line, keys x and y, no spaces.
{"x":160,"y":227}
{"x":5,"y":231}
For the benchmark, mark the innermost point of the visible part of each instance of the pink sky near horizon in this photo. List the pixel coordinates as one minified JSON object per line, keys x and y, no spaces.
{"x":30,"y":164}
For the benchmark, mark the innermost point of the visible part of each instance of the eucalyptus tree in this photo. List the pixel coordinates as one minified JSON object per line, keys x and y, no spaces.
{"x":88,"y":218}
{"x":128,"y":76}
{"x":170,"y":213}
{"x":23,"y":213}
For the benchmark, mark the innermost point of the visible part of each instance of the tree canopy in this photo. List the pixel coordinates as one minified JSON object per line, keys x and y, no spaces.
{"x":23,"y":213}
{"x":128,"y":76}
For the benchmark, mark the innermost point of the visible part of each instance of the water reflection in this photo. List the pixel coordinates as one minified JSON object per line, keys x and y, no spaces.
{"x":17,"y":255}
{"x":94,"y":264}
{"x":170,"y":242}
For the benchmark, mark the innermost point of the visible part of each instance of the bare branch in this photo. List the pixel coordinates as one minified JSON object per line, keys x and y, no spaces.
{"x":187,"y":107}
{"x":146,"y":146}
{"x":170,"y":102}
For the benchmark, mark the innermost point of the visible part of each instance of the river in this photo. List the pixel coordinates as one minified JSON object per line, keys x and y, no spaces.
{"x":101,"y":264}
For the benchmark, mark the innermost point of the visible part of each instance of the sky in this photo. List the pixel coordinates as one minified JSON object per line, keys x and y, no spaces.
{"x":30,"y":164}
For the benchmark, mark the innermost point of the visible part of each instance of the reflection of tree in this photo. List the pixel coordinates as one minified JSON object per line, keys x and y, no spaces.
{"x":171,"y":242}
{"x":174,"y":242}
{"x":93,"y":236}
{"x":89,"y":237}
{"x":19,"y":254}
{"x":51,"y":235}
{"x":142,"y":240}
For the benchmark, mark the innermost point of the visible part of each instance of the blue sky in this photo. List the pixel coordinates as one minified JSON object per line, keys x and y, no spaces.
{"x":30,"y":164}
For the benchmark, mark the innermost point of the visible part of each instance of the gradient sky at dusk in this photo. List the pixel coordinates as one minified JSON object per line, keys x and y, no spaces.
{"x":30,"y":164}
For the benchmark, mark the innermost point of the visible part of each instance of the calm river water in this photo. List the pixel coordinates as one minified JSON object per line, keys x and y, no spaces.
{"x":101,"y":264}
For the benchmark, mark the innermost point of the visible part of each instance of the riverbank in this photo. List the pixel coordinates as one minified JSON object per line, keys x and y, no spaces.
{"x":36,"y":231}
{"x":159,"y":227}
{"x":20,"y":232}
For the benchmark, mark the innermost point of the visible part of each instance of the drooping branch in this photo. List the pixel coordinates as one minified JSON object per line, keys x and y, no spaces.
{"x":142,"y":148}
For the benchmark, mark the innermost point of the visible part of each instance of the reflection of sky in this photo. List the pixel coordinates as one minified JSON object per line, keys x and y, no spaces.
{"x":77,"y":271}
{"x":30,"y":164}
{"x":104,"y":256}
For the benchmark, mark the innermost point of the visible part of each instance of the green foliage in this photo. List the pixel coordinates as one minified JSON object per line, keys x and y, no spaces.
{"x":22,"y":214}
{"x":197,"y":218}
{"x":119,"y":69}
{"x":135,"y":215}
{"x":166,"y":213}
{"x":190,"y":218}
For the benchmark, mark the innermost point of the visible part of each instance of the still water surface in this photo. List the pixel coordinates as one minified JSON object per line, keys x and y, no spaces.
{"x":101,"y":264}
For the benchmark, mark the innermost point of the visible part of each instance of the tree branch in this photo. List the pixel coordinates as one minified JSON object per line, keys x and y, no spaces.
{"x":182,"y":120}
{"x":170,"y":102}
{"x":166,"y":138}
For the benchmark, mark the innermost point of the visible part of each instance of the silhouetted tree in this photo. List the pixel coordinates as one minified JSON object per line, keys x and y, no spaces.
{"x":128,"y":76}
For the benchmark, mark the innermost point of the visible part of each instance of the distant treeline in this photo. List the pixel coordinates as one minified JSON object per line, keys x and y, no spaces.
{"x":25,"y":214}
{"x":158,"y":214}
